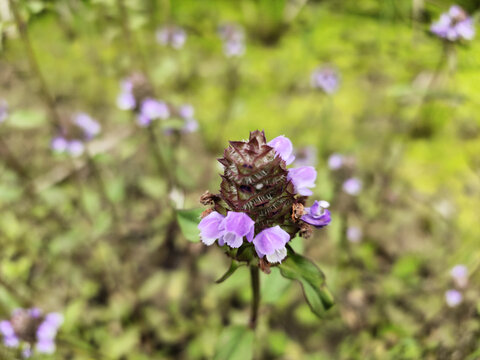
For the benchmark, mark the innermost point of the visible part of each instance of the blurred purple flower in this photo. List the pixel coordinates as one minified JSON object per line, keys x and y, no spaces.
{"x":126,"y":99}
{"x":46,"y":333}
{"x":211,"y":228}
{"x":352,"y":186}
{"x":283,"y":147}
{"x":453,"y":297}
{"x":271,"y":242}
{"x":306,"y":156}
{"x":354,"y":234}
{"x":459,"y":275}
{"x":302,"y":178}
{"x":335,"y":161}
{"x":10,"y":339}
{"x":233,"y":40}
{"x":186,"y":111}
{"x":3,"y":110}
{"x":235,"y":226}
{"x":454,"y":25}
{"x":326,"y":79}
{"x":190,"y":125}
{"x":59,"y":144}
{"x":174,"y":36}
{"x":317,"y":215}
{"x":75,"y":148}
{"x":90,"y":127}
{"x":152,"y":109}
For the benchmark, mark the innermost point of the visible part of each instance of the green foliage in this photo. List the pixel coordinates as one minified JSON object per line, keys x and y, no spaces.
{"x":296,"y":267}
{"x":188,"y":221}
{"x":235,"y":343}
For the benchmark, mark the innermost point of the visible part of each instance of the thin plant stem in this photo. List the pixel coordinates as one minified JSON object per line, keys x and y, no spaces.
{"x":255,"y":283}
{"x":32,"y":59}
{"x":159,"y":155}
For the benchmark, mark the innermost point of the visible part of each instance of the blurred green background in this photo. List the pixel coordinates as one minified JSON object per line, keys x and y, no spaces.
{"x":131,"y":286}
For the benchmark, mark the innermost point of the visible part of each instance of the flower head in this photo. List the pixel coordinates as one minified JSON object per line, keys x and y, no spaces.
{"x":211,"y":227}
{"x":335,"y":161}
{"x":453,"y":297}
{"x":3,"y":110}
{"x":459,"y":275}
{"x":284,"y":148}
{"x":271,"y":242}
{"x":302,"y":179}
{"x":354,"y":234}
{"x":454,"y":25}
{"x":326,"y":79}
{"x":173,"y":36}
{"x":233,"y":40}
{"x":317,"y":215}
{"x":90,"y":127}
{"x":352,"y":186}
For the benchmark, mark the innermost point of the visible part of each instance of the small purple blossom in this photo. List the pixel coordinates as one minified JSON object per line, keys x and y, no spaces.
{"x":302,"y":178}
{"x":306,"y":156}
{"x":59,"y":144}
{"x":10,"y":339}
{"x":283,"y":147}
{"x":3,"y":110}
{"x":354,"y":234}
{"x":352,"y":186}
{"x":187,"y":113}
{"x":336,"y":161}
{"x":235,"y":226}
{"x":190,"y":126}
{"x":453,"y":297}
{"x":233,"y":40}
{"x":62,"y":145}
{"x":126,"y":99}
{"x":90,"y":127}
{"x":317,"y":215}
{"x":152,"y":109}
{"x":211,"y":228}
{"x":173,"y":36}
{"x":459,"y":274}
{"x":271,"y":242}
{"x":326,"y":79}
{"x":75,"y":148}
{"x":454,"y":25}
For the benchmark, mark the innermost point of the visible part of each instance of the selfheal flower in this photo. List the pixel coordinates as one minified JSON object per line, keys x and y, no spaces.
{"x":235,"y":226}
{"x":284,"y":148}
{"x":454,"y":25}
{"x":326,"y":79}
{"x":354,"y":234}
{"x":271,"y":242}
{"x":302,"y":178}
{"x":453,"y":297}
{"x":335,"y":161}
{"x":317,"y":215}
{"x":174,"y":36}
{"x":459,"y":275}
{"x":152,"y":109}
{"x":211,"y":228}
{"x":3,"y":110}
{"x":90,"y":127}
{"x":352,"y":186}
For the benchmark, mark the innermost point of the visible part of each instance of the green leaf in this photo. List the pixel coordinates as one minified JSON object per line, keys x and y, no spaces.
{"x":233,"y":267}
{"x":235,"y":343}
{"x":296,"y":267}
{"x":27,"y":119}
{"x":188,"y":221}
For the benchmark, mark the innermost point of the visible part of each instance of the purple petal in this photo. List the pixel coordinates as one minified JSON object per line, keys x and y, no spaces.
{"x":302,"y":178}
{"x":186,"y":111}
{"x":237,"y":225}
{"x":453,"y":298}
{"x":190,"y":126}
{"x":45,"y":347}
{"x":269,"y":240}
{"x":354,"y":234}
{"x":211,"y":228}
{"x":3,"y":110}
{"x":54,"y":319}
{"x":335,"y":161}
{"x":126,"y":101}
{"x":284,"y":148}
{"x":11,"y":341}
{"x":352,"y":186}
{"x":6,"y":328}
{"x":154,"y":109}
{"x":75,"y":148}
{"x":90,"y":127}
{"x":59,"y":144}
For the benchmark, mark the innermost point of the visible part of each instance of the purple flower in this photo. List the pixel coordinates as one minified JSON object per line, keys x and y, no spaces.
{"x":459,"y":275}
{"x":271,"y":242}
{"x":284,"y":148}
{"x":453,"y":297}
{"x":335,"y":161}
{"x":152,"y":109}
{"x":45,"y":346}
{"x":186,"y":111}
{"x":317,"y":215}
{"x":302,"y":178}
{"x":46,"y":333}
{"x":59,"y":144}
{"x":211,"y":228}
{"x":233,"y":48}
{"x":236,"y":225}
{"x":326,"y":79}
{"x":306,"y":156}
{"x":233,"y":40}
{"x":354,"y":234}
{"x":174,"y":36}
{"x":27,"y":352}
{"x":190,"y":126}
{"x":454,"y":25}
{"x":126,"y":99}
{"x":3,"y":110}
{"x":90,"y":127}
{"x":10,"y":339}
{"x":352,"y":186}
{"x":75,"y":148}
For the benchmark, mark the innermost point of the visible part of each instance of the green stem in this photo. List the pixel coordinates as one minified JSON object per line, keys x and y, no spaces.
{"x":255,"y":282}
